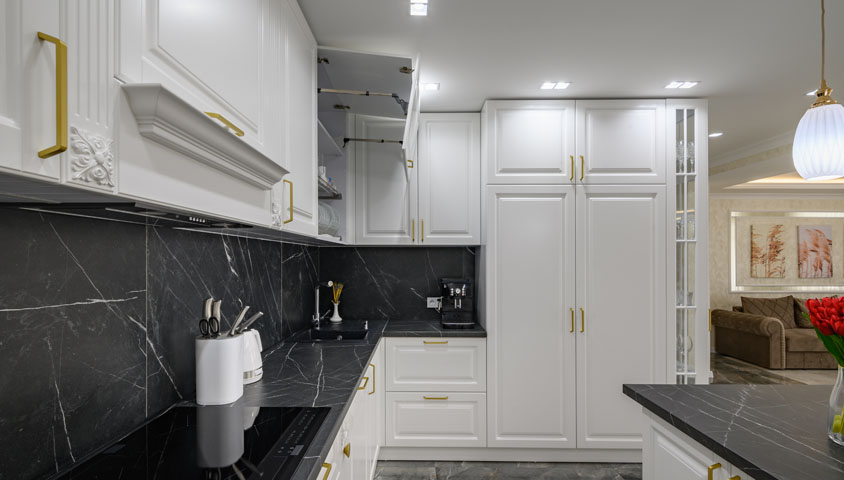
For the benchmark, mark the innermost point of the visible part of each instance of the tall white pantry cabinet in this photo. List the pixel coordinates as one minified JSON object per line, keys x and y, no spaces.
{"x":579,"y":267}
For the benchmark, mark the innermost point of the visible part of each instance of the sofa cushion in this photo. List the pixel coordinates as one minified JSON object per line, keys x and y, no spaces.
{"x":803,"y":340}
{"x":781,"y":308}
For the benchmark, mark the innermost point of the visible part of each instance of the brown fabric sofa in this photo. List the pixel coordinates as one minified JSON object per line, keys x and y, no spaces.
{"x":768,"y":341}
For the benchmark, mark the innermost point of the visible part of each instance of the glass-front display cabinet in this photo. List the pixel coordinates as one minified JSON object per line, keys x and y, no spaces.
{"x":688,"y":294}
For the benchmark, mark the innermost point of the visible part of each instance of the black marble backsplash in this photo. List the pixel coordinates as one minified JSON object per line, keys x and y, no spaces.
{"x":391,"y":282}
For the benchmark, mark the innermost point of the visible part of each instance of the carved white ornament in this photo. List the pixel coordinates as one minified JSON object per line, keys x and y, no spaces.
{"x":91,"y":159}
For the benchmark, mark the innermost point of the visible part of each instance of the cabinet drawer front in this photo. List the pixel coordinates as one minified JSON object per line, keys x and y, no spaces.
{"x":447,"y":364}
{"x":436,"y":419}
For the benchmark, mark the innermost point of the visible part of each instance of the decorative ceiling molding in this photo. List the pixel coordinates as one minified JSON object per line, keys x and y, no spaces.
{"x":771,"y":143}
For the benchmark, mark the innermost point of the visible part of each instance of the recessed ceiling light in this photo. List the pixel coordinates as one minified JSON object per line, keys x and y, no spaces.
{"x":419,"y":7}
{"x":676,"y":84}
{"x":554,"y":85}
{"x":715,"y":134}
{"x":430,"y":86}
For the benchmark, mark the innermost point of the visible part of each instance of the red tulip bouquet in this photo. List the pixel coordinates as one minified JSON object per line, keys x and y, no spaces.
{"x":827,"y":316}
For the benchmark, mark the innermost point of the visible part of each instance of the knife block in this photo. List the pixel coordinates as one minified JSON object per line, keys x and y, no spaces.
{"x":219,"y":369}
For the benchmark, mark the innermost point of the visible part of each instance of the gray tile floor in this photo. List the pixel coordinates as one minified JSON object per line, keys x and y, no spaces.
{"x":506,"y":471}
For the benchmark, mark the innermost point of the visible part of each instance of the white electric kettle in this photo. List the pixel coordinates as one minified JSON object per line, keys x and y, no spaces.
{"x":253,"y":365}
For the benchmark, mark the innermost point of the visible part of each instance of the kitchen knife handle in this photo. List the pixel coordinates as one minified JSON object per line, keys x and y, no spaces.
{"x":290,"y":204}
{"x":61,"y":97}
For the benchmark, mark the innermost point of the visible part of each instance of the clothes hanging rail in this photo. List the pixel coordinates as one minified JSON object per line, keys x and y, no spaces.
{"x":366,"y":93}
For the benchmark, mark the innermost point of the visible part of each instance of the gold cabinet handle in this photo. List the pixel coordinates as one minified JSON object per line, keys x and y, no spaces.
{"x":581,"y":168}
{"x":365,"y":383}
{"x":426,"y":342}
{"x":710,"y":319}
{"x":373,"y":379}
{"x":327,"y":467}
{"x":413,"y":230}
{"x":422,"y":230}
{"x":347,"y":450}
{"x":409,"y":163}
{"x":226,"y":122}
{"x":61,"y":97}
{"x":572,"y":320}
{"x":571,"y":177}
{"x":737,"y":477}
{"x":582,"y":320}
{"x":290,"y":182}
{"x":435,"y":398}
{"x":712,"y":468}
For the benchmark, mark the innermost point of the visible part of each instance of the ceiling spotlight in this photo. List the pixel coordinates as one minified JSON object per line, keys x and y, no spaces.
{"x":676,"y":84}
{"x":430,"y":86}
{"x":562,"y":85}
{"x":554,"y":85}
{"x":419,"y":8}
{"x":715,"y":134}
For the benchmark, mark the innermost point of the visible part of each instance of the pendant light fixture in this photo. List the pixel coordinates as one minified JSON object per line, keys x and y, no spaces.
{"x":818,"y":149}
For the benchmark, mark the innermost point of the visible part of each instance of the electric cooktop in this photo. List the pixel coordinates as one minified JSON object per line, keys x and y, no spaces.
{"x":210,"y":443}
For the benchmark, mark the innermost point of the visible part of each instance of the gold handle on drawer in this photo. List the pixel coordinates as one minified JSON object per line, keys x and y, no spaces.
{"x":413,"y":230}
{"x":327,"y":467}
{"x":582,"y":320}
{"x":61,"y":97}
{"x":435,"y":398}
{"x":572,"y":320}
{"x":347,"y":450}
{"x":409,"y":163}
{"x":365,"y":383}
{"x":426,"y":342}
{"x":290,"y":205}
{"x":712,"y":468}
{"x":581,"y":168}
{"x":422,"y":230}
{"x":737,"y":477}
{"x":226,"y":122}
{"x":373,"y":379}
{"x":571,"y":177}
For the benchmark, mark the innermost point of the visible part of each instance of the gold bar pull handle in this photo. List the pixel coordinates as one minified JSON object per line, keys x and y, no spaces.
{"x":373,"y":379}
{"x":582,"y":320}
{"x":711,"y":469}
{"x":427,"y":342}
{"x":347,"y":450}
{"x":572,"y":320}
{"x":571,"y":177}
{"x":365,"y":383}
{"x":581,"y":168}
{"x":409,"y":163}
{"x":736,"y":477}
{"x":61,"y":97}
{"x":435,"y":398}
{"x":226,"y":122}
{"x":327,"y":467}
{"x":413,"y":230}
{"x":422,"y":230}
{"x":290,"y":182}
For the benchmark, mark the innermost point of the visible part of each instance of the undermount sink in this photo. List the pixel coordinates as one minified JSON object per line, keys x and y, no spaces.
{"x":345,"y":330}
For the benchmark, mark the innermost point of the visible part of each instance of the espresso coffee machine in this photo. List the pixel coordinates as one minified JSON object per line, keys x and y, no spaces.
{"x":457,"y":308}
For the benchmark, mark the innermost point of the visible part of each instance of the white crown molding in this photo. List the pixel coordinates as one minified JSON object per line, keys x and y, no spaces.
{"x":167,"y":119}
{"x":784,"y":138}
{"x":768,"y":195}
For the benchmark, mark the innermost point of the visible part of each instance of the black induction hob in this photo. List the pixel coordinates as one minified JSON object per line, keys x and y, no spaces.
{"x":210,"y":443}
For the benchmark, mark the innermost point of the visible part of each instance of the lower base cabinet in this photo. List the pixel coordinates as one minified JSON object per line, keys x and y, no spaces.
{"x":436,"y":419}
{"x":669,"y":454}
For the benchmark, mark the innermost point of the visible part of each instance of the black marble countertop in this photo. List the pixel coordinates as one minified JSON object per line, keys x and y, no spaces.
{"x":303,"y":373}
{"x":771,"y":432}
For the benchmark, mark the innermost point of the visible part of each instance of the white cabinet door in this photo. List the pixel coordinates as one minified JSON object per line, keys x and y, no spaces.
{"x":446,"y":364}
{"x":449,"y":166}
{"x":375,"y":414}
{"x":621,"y":289}
{"x":530,"y":301}
{"x":385,"y":190}
{"x":300,"y":123}
{"x":529,"y":141}
{"x":436,"y":419}
{"x":668,"y":456}
{"x":215,"y":54}
{"x":620,"y":141}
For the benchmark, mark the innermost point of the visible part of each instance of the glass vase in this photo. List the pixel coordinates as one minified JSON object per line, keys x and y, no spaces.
{"x":836,"y":410}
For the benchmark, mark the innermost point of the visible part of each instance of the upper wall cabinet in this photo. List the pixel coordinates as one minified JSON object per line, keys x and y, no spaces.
{"x":529,"y":141}
{"x":216,"y":55}
{"x":621,"y":141}
{"x":56,"y":98}
{"x":449,"y":164}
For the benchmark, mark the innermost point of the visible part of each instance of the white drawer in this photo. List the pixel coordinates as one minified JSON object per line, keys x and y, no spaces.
{"x":436,"y":419}
{"x":432,"y":364}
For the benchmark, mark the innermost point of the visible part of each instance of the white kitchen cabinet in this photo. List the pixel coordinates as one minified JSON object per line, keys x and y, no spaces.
{"x":71,"y":63}
{"x":621,"y":291}
{"x":620,"y":141}
{"x":530,"y":319}
{"x":444,"y":364}
{"x":375,"y":407}
{"x":385,"y":190}
{"x":449,"y":163}
{"x":529,"y":141}
{"x":300,"y":123}
{"x":669,"y":454}
{"x":436,"y":419}
{"x":220,"y":56}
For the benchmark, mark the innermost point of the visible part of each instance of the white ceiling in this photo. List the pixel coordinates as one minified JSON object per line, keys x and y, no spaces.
{"x":756,"y":59}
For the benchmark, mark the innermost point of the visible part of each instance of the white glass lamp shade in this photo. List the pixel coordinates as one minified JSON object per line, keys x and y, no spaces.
{"x":818,"y":150}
